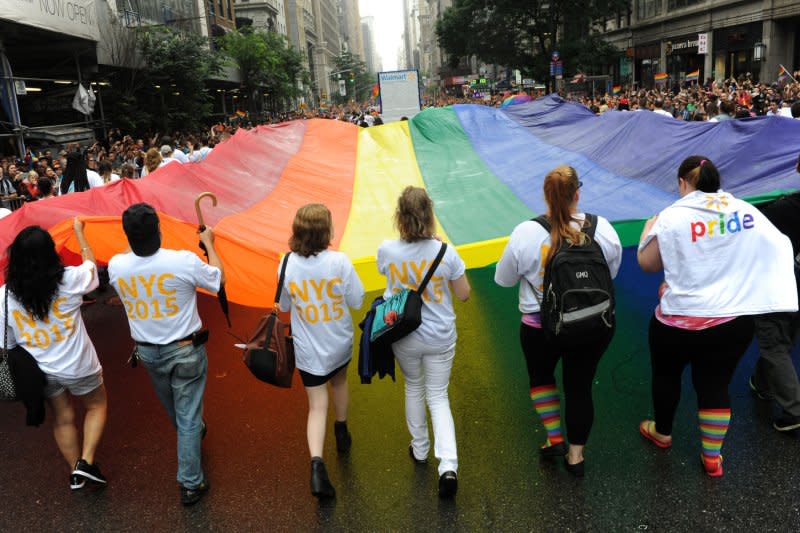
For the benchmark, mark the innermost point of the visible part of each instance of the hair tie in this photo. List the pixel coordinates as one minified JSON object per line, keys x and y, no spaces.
{"x":702,"y":162}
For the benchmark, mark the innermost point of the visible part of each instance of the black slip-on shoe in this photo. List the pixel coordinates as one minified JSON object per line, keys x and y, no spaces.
{"x":577,"y":469}
{"x":320,"y":484}
{"x":556,"y":450}
{"x":194,"y":495}
{"x":414,"y":458}
{"x":448,"y":484}
{"x":787,"y":423}
{"x":89,"y":471}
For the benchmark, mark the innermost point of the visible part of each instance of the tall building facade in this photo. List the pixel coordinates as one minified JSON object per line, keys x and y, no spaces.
{"x":268,"y":15}
{"x":350,"y":28}
{"x":411,"y":33}
{"x":430,"y":54}
{"x":313,"y":27}
{"x":371,"y":56}
{"x":754,"y":36}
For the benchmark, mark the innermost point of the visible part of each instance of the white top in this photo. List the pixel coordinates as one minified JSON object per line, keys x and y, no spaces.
{"x":60,"y":343}
{"x":526,"y":251}
{"x":320,"y":290}
{"x":4,"y":212}
{"x":95,"y":179}
{"x":722,"y":258}
{"x":662,"y":112}
{"x":179,"y":156}
{"x":159,"y":292}
{"x":114,"y":177}
{"x":165,"y":161}
{"x":785,"y":112}
{"x":405,"y":264}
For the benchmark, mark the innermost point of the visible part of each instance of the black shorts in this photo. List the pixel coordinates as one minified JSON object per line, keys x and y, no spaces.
{"x":310,"y":380}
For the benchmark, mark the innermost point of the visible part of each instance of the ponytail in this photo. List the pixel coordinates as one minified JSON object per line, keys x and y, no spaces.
{"x":560,"y":186}
{"x":699,"y":172}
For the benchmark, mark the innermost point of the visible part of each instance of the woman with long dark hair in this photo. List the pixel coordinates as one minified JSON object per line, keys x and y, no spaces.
{"x":704,"y":318}
{"x":44,"y":317}
{"x":75,"y":178}
{"x":524,"y":260}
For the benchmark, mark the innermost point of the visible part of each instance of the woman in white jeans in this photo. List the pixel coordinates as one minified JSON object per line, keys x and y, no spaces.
{"x":426,"y":355}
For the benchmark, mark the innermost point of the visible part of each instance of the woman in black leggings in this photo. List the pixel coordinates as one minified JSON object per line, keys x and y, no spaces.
{"x":723,"y":262}
{"x":523,"y":262}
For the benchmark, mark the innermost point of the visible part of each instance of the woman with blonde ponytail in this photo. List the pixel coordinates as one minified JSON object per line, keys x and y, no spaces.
{"x":530,"y":248}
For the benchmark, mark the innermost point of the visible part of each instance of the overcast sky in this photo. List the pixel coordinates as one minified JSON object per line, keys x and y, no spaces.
{"x":388,"y":27}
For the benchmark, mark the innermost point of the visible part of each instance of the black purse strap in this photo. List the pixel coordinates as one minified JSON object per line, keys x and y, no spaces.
{"x":432,"y":269}
{"x":281,"y":279}
{"x":5,"y":327}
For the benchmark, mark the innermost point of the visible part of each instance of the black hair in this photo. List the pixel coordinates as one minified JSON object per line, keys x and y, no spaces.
{"x":75,"y":172}
{"x":104,"y":167}
{"x":45,"y":187}
{"x":796,"y":109}
{"x":34,"y":271}
{"x":699,"y":172}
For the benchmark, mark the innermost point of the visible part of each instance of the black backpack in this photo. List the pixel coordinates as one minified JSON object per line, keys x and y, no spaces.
{"x":578,"y":302}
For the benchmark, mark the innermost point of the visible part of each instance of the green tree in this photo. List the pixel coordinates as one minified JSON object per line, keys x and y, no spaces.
{"x":524,"y":34}
{"x":179,"y":64}
{"x":358,"y":80}
{"x":266,"y":62}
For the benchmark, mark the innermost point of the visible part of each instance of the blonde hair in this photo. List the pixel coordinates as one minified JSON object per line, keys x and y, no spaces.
{"x":312,"y":230}
{"x":414,"y":215}
{"x":560,"y":186}
{"x":152,"y":159}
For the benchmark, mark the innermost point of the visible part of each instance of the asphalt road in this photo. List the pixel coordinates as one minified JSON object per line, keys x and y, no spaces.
{"x":256,"y":458}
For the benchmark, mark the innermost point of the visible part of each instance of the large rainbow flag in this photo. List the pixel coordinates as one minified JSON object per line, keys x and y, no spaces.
{"x":483,"y":167}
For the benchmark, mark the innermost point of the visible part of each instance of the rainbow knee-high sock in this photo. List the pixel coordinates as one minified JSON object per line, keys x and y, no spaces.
{"x":548,"y":406}
{"x":713,"y":427}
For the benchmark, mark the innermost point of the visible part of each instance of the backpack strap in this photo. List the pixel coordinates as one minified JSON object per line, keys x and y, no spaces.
{"x":542,"y":220}
{"x":432,"y":269}
{"x":590,"y":221}
{"x":280,"y":282}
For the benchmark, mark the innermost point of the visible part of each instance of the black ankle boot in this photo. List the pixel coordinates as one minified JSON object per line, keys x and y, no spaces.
{"x":343,"y":438}
{"x":320,"y":484}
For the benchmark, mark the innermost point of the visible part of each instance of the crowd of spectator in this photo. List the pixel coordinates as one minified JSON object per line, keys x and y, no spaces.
{"x":712,"y":101}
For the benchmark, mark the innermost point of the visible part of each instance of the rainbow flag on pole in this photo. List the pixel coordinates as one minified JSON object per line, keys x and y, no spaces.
{"x":661,"y":77}
{"x":693,"y":76}
{"x":616,"y":89}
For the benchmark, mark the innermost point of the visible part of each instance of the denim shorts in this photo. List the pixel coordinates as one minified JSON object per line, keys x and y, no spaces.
{"x":76,"y":386}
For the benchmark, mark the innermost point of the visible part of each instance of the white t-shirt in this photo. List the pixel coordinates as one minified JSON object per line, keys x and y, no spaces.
{"x":526,"y":251}
{"x":405,"y":264}
{"x":4,"y":212}
{"x":179,"y":156}
{"x":785,"y":112}
{"x":662,"y":112}
{"x":114,"y":177}
{"x":159,"y":292}
{"x":722,"y":257}
{"x":94,"y":179}
{"x":166,"y":161}
{"x":60,"y":343}
{"x":320,"y":290}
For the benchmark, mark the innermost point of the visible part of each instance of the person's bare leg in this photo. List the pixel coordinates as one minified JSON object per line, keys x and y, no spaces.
{"x":64,"y":430}
{"x":96,"y":405}
{"x":575,"y":454}
{"x":317,"y":414}
{"x":341,"y":396}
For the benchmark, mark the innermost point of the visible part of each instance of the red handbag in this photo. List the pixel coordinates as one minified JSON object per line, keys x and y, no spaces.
{"x":269,"y":351}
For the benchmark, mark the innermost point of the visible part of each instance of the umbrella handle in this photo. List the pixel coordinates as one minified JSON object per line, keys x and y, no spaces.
{"x":197,"y":201}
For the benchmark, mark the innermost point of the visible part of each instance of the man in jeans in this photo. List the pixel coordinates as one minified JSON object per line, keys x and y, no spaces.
{"x":158,"y":289}
{"x":775,"y":377}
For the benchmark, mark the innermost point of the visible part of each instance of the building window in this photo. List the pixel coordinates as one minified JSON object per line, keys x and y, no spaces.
{"x":646,"y":9}
{"x":230,"y":10}
{"x":680,"y":4}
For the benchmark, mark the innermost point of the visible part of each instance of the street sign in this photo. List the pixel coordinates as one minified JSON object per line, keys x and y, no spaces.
{"x":342,"y":88}
{"x":702,"y":43}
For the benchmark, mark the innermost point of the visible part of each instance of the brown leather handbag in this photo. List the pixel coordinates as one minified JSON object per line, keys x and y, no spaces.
{"x":269,"y":352}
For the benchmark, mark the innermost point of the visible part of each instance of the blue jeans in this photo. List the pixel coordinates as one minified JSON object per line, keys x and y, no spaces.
{"x":178,"y":374}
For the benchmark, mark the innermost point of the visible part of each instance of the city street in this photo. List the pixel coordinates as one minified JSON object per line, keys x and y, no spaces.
{"x":255,"y":453}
